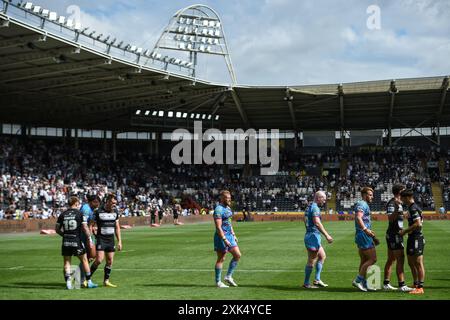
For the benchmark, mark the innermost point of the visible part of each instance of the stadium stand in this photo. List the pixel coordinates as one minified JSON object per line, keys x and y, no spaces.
{"x":37,"y":177}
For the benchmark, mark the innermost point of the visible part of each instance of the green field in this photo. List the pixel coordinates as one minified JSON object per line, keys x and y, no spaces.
{"x":178,"y":263}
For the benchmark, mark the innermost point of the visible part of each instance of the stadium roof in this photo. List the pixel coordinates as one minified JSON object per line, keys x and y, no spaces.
{"x":54,"y":81}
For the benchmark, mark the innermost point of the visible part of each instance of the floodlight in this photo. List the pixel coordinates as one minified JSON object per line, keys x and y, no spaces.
{"x":205,"y":32}
{"x":203,"y":40}
{"x":45,"y":12}
{"x":218,"y":24}
{"x":78,"y":26}
{"x":212,"y":24}
{"x":189,"y":46}
{"x":177,"y":61}
{"x":161,"y":113}
{"x":177,"y":37}
{"x":182,"y":20}
{"x":147,"y":53}
{"x":182,"y":46}
{"x":138,"y":112}
{"x":208,"y":49}
{"x":211,"y":33}
{"x":178,"y":115}
{"x":192,"y":115}
{"x":197,"y":116}
{"x":170,"y":114}
{"x":69,"y":23}
{"x":210,"y":41}
{"x":209,"y":117}
{"x":205,"y":23}
{"x":53,"y":16}
{"x":180,"y":29}
{"x":147,"y":112}
{"x":202,"y":48}
{"x":133,"y":48}
{"x":185,"y":115}
{"x":188,"y":21}
{"x":217,"y":33}
{"x":204,"y":117}
{"x":216,"y":41}
{"x":192,"y":39}
{"x":139,"y":51}
{"x":155,"y":113}
{"x":185,"y":38}
{"x":189,"y":65}
{"x":187,"y":30}
{"x":195,"y":22}
{"x":62,"y":20}
{"x":37,"y":9}
{"x":217,"y":118}
{"x":28,"y":6}
{"x":158,"y":56}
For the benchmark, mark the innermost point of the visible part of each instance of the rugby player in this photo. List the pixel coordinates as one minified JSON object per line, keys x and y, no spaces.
{"x":176,"y":213}
{"x":396,"y":249}
{"x":87,"y":210}
{"x":364,"y":238}
{"x":225,"y":240}
{"x":416,"y":241}
{"x":70,"y":225}
{"x":107,"y":221}
{"x":316,"y":253}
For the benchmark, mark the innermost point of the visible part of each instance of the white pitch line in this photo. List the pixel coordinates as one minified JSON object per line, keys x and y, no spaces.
{"x":16,"y":268}
{"x":201,"y":270}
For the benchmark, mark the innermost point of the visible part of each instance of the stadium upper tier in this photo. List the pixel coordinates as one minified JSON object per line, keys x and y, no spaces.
{"x":53,"y":75}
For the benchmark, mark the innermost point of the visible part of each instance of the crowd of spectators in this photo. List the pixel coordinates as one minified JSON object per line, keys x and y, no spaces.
{"x":37,"y":177}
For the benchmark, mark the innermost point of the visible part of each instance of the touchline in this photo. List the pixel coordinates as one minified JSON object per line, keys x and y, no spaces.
{"x":262,"y":147}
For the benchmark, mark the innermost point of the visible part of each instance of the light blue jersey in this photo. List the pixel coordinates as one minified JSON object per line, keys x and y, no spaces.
{"x":312,"y":212}
{"x":364,"y":207}
{"x":87,"y":212}
{"x":226,"y":215}
{"x":362,"y":240}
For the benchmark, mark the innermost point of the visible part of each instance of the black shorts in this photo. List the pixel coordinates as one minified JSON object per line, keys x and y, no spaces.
{"x":106,"y":245}
{"x":415,"y":245}
{"x":160,"y":216}
{"x":175,"y":216}
{"x":74,"y":250}
{"x":394,"y":242}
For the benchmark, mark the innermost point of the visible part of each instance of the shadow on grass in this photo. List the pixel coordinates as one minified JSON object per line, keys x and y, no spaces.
{"x":35,"y":285}
{"x":270,"y":287}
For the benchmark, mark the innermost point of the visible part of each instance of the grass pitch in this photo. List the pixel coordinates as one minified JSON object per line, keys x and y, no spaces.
{"x":172,"y":263}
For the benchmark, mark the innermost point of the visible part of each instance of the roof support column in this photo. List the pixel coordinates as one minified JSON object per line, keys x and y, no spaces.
{"x":392,"y":91}
{"x":342,"y":114}
{"x":240,"y":108}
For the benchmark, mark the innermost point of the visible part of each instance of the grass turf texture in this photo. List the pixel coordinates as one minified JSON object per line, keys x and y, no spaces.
{"x":178,"y":263}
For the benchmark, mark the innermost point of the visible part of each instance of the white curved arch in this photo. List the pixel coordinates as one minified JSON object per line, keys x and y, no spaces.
{"x":167,"y":42}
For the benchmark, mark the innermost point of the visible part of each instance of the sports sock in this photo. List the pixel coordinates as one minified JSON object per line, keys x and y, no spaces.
{"x":416,"y":284}
{"x":82,"y":273}
{"x":108,"y":270}
{"x":319,"y":267}
{"x":218,"y":274}
{"x":232,"y":267}
{"x":88,"y":276}
{"x":401,"y":284}
{"x":360,"y":279}
{"x":308,"y":271}
{"x":420,"y":285}
{"x":93,"y":268}
{"x":386,"y":282}
{"x":66,"y":276}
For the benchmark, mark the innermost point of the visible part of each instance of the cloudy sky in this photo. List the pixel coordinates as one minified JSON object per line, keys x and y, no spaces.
{"x":295,"y":42}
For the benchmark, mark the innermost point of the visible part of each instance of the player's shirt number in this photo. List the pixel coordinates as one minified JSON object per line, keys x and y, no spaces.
{"x":70,"y":225}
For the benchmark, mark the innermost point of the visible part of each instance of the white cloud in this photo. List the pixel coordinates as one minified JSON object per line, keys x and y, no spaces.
{"x":299,"y":42}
